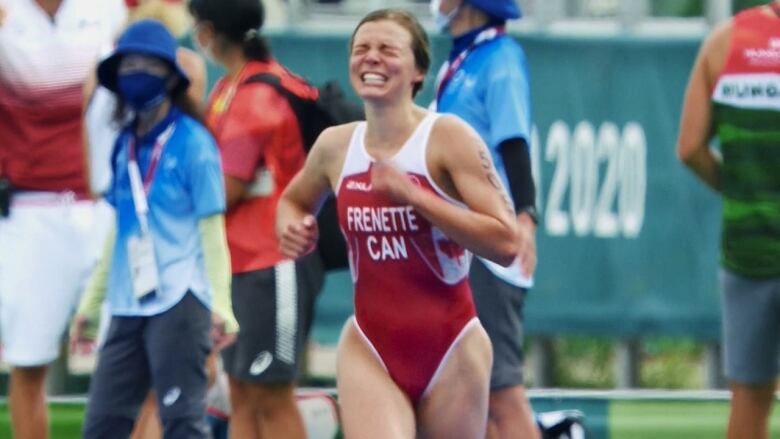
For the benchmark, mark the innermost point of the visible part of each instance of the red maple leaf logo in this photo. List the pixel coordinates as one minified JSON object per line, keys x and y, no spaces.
{"x":450,"y":249}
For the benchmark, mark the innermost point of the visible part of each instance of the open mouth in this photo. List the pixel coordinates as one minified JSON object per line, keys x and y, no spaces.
{"x":373,"y":78}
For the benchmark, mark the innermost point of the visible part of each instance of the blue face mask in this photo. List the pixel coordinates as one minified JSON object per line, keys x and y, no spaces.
{"x":142,"y":91}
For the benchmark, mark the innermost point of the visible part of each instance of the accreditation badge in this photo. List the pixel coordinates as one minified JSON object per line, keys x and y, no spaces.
{"x":143,"y":265}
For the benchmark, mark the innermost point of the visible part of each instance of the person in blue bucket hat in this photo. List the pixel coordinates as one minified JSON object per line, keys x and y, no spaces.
{"x":168,"y":270}
{"x":485,"y":82}
{"x":497,"y":10}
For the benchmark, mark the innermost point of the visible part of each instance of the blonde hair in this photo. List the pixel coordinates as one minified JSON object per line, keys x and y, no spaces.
{"x":172,"y":14}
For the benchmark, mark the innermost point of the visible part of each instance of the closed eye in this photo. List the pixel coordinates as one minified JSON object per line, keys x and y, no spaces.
{"x":390,"y":52}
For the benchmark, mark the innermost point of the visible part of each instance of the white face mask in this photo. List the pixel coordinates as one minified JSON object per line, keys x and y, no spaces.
{"x":440,"y":20}
{"x":204,"y":50}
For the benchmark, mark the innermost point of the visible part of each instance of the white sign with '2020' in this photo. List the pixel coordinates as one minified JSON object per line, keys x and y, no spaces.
{"x":604,"y":173}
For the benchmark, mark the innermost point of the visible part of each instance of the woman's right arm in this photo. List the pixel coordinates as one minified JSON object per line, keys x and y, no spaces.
{"x":696,"y":129}
{"x":296,"y":225}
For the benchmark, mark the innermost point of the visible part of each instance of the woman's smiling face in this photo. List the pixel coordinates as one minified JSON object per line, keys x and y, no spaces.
{"x":382,"y":65}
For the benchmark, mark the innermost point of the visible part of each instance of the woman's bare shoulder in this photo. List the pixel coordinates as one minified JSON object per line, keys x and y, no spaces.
{"x":330,"y":150}
{"x":336,"y":138}
{"x":451,"y":134}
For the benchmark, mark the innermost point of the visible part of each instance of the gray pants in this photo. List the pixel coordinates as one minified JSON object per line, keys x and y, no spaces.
{"x":751,"y":328}
{"x":167,"y":353}
{"x":500,"y":310}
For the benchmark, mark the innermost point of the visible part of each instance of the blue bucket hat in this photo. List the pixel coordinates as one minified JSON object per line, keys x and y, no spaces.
{"x":146,"y":37}
{"x":503,"y":9}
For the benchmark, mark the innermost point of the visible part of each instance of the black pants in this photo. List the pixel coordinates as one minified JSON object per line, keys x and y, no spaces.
{"x":274,"y":308}
{"x":167,"y":353}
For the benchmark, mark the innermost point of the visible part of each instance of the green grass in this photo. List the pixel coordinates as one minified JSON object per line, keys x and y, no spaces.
{"x":65,"y":421}
{"x":673,"y":419}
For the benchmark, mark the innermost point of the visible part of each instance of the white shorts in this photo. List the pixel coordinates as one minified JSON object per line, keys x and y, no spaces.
{"x":48,"y":247}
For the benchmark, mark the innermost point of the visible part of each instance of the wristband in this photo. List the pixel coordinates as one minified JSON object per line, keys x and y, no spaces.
{"x":531,"y":211}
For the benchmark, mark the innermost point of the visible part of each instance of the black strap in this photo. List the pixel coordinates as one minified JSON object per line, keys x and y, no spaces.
{"x":274,"y":81}
{"x":301,"y":107}
{"x":266,"y":78}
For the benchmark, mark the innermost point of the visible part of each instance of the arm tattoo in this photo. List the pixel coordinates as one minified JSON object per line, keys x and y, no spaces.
{"x":490,"y":173}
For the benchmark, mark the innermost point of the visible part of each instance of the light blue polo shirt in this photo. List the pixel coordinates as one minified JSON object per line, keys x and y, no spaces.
{"x":187,"y":186}
{"x":491,"y":93}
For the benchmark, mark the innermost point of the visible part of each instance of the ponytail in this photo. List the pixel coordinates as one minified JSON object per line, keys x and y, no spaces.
{"x":255,"y":47}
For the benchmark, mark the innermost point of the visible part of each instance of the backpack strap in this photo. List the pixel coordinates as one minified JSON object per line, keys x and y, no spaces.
{"x":304,"y":109}
{"x":301,"y":90}
{"x":274,"y":81}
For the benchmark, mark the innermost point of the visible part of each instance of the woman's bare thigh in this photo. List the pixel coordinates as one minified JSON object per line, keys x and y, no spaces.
{"x":371,"y":404}
{"x":457,"y":405}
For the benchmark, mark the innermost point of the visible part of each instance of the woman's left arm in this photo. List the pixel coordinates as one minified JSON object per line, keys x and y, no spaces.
{"x":217,"y":261}
{"x":488,"y":227}
{"x":201,"y":162}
